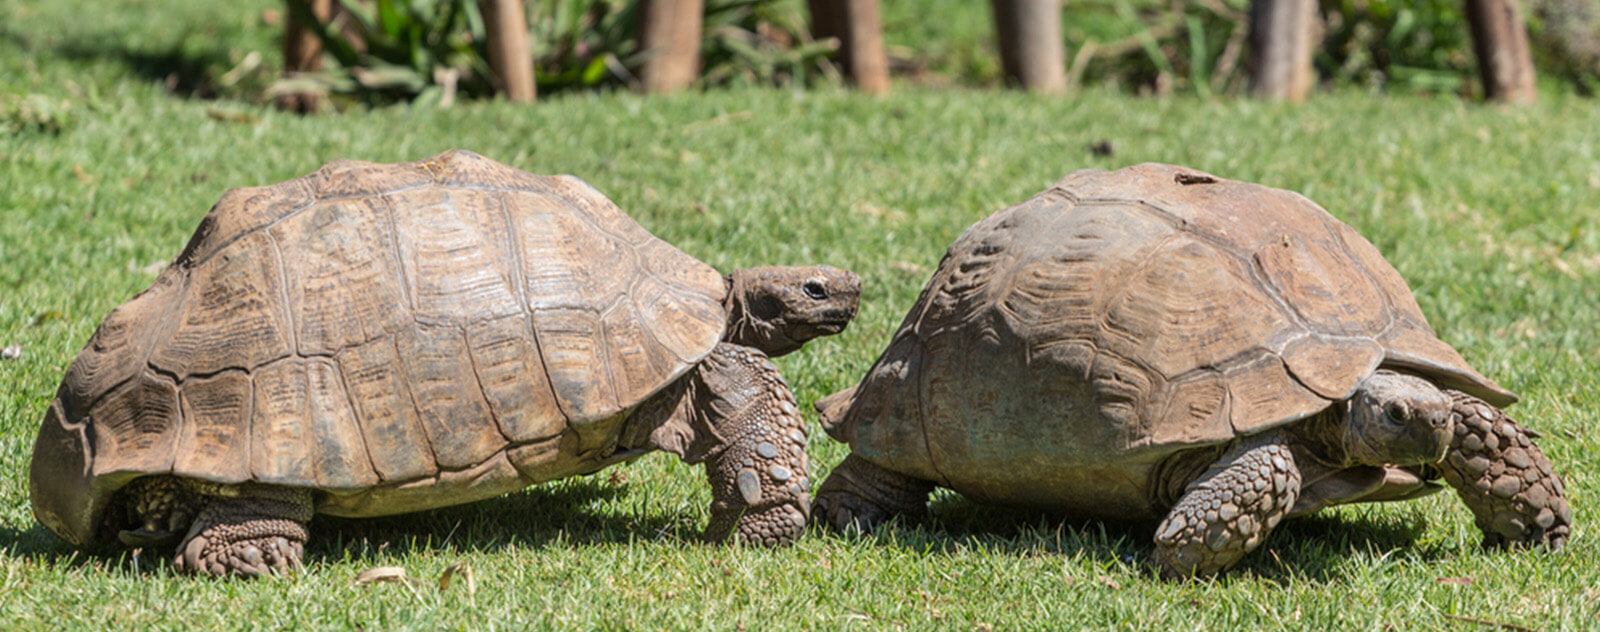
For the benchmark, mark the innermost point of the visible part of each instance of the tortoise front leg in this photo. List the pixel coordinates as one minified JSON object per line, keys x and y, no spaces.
{"x":759,"y":475}
{"x":860,"y":495}
{"x":1229,"y":510}
{"x":259,"y":533}
{"x":1513,"y":492}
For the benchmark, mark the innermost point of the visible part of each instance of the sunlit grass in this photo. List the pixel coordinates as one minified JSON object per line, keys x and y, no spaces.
{"x":1489,"y":213}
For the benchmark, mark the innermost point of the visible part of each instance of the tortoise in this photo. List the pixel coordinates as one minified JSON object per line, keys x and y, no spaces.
{"x":373,"y":339}
{"x":1159,"y":344}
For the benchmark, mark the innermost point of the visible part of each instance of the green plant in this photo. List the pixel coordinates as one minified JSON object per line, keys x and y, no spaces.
{"x":583,"y":43}
{"x":394,"y":50}
{"x":1567,"y":40}
{"x":1198,"y":46}
{"x":761,"y":42}
{"x":1414,"y":45}
{"x":1161,"y":47}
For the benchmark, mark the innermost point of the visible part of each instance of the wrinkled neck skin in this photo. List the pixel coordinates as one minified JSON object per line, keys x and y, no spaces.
{"x":749,"y":329}
{"x":672,"y":407}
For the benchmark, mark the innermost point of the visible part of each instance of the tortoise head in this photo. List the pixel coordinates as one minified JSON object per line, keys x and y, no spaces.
{"x":778,"y":308}
{"x":1397,"y":419}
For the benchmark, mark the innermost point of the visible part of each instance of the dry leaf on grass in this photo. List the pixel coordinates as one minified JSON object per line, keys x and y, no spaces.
{"x":465,"y":571}
{"x":385,"y":575}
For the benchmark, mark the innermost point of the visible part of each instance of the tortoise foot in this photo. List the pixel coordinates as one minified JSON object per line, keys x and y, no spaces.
{"x":1515,"y":495}
{"x":246,"y":537}
{"x":761,"y":490}
{"x":760,"y":477}
{"x":222,"y":554}
{"x":771,"y":525}
{"x":859,"y":495}
{"x":1228,"y":512}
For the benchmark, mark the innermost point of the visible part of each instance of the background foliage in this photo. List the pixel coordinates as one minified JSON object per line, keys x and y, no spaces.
{"x":1198,"y":46}
{"x":387,"y":50}
{"x":391,"y":50}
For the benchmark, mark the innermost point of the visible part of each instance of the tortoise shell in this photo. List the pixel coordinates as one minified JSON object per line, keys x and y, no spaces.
{"x":1066,"y":344}
{"x":400,"y":336}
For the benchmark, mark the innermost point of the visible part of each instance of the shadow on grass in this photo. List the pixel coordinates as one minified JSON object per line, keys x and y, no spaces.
{"x":187,"y":67}
{"x":560,"y":513}
{"x":185,"y":73}
{"x":16,"y":39}
{"x":1315,"y":548}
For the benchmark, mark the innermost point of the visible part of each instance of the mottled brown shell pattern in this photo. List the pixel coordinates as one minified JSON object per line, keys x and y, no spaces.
{"x":386,"y":325}
{"x":1140,"y":311}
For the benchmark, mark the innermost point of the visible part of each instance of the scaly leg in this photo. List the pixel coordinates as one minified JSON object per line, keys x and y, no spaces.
{"x":1229,"y":510}
{"x":1494,"y":466}
{"x":759,"y":477}
{"x":162,"y":507}
{"x":861,"y":495}
{"x":260,"y":533}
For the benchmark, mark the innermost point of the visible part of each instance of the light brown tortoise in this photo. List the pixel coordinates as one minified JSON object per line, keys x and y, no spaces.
{"x":374,"y":339}
{"x":1158,"y":343}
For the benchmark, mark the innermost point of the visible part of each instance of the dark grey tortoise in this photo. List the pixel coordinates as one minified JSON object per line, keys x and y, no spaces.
{"x":1158,"y":343}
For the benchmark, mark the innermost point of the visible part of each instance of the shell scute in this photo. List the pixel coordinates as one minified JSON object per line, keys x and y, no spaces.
{"x":279,"y":427}
{"x":232,"y":315}
{"x":386,"y":410}
{"x":135,"y":426}
{"x":342,"y":274}
{"x":508,"y":365}
{"x":216,"y":441}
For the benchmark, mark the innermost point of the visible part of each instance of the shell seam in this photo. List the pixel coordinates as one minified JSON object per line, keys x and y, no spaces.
{"x":519,"y":279}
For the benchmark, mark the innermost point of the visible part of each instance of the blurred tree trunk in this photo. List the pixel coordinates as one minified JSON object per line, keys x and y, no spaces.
{"x":1282,"y":35}
{"x":302,"y":52}
{"x":509,"y":55}
{"x":1501,"y":43}
{"x":669,"y":33}
{"x":1031,"y":48}
{"x":859,"y":27}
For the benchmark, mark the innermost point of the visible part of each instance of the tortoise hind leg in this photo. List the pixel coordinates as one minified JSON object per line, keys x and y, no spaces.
{"x":1494,"y":466}
{"x":861,"y":495}
{"x":161,"y":507}
{"x":258,"y":533}
{"x":1229,"y":510}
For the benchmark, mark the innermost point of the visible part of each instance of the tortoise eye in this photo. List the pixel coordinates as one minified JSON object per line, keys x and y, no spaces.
{"x":814,"y":289}
{"x":1395,"y":411}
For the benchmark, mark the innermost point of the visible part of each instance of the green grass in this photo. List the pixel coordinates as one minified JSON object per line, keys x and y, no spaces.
{"x":1489,"y":213}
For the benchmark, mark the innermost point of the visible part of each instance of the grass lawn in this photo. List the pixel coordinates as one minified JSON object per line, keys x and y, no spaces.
{"x":1489,"y":213}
